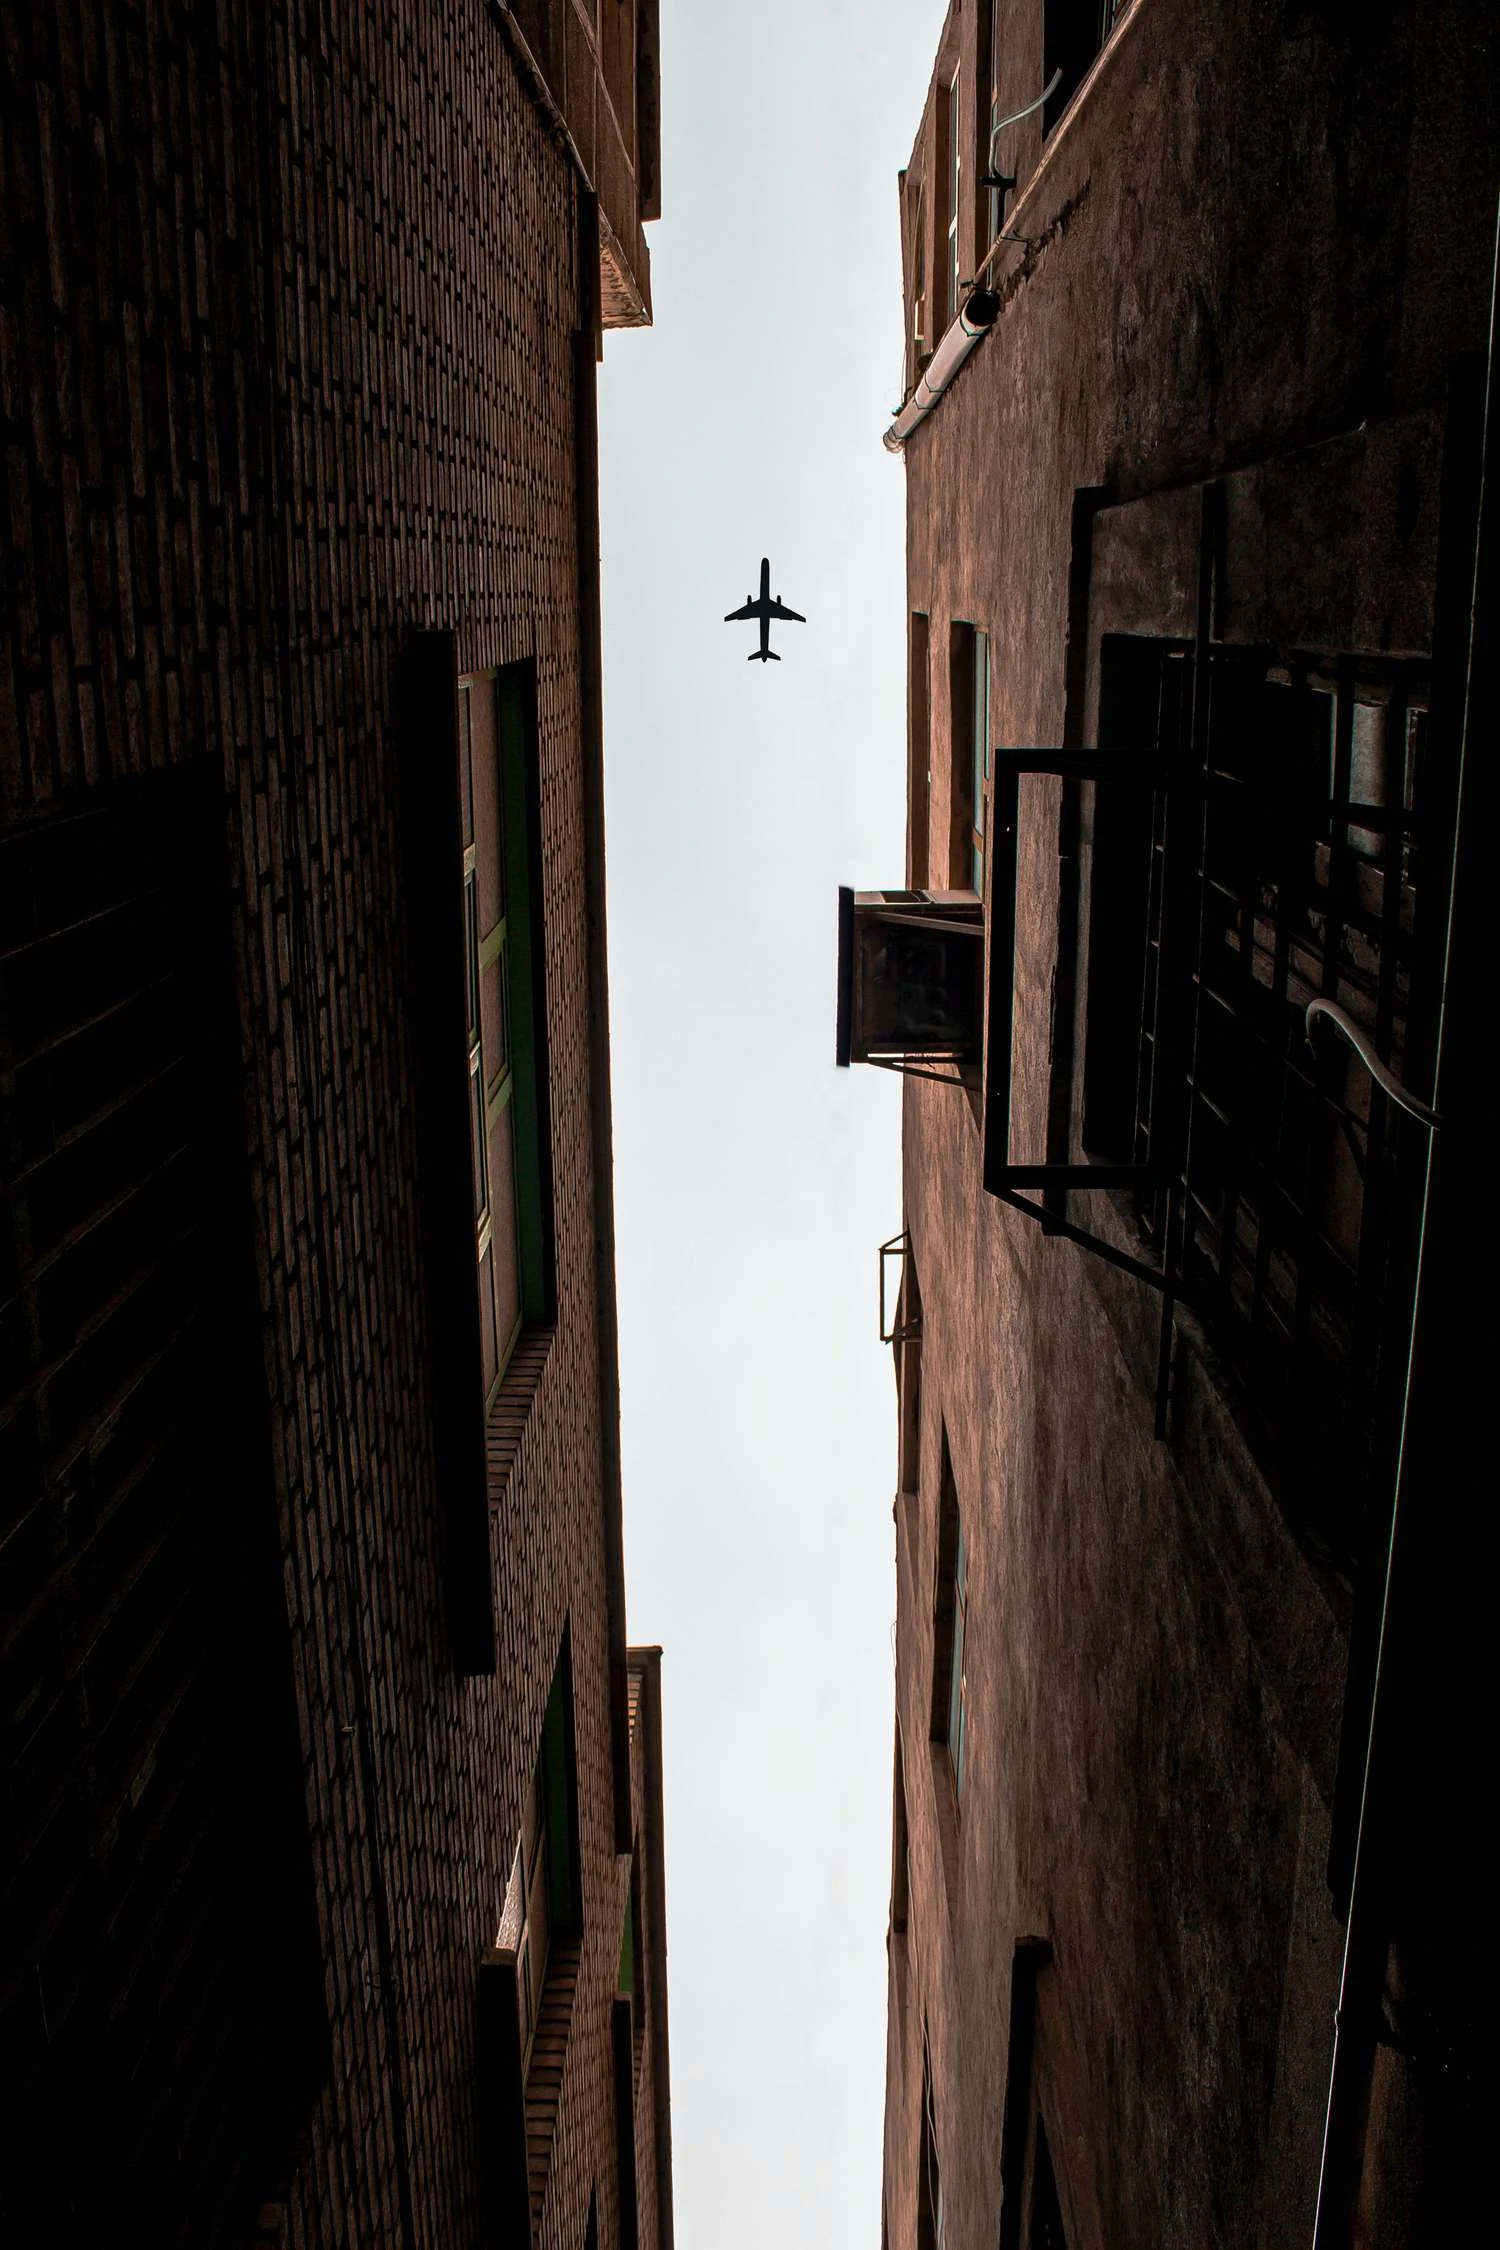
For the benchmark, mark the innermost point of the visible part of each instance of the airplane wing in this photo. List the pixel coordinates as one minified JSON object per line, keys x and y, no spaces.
{"x":733,"y":616}
{"x":794,"y":616}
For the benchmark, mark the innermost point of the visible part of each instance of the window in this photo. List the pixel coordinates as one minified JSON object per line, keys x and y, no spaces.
{"x":980,"y":748}
{"x":989,"y":211}
{"x":625,"y":1981}
{"x":618,"y":39}
{"x":921,"y":341}
{"x":1285,"y":1198}
{"x":621,"y":2040}
{"x":528,"y":1983}
{"x":900,"y":1850}
{"x":919,"y":755}
{"x":958,"y":1707}
{"x":1073,"y":33}
{"x":630,"y":1983}
{"x":969,"y":718}
{"x":950,"y":1701}
{"x":528,"y":1909}
{"x":1030,"y":2216}
{"x":471,"y":853}
{"x":1044,"y":2226}
{"x":1144,"y":704}
{"x":503,"y":1015}
{"x":929,"y":2174}
{"x":909,"y":1376}
{"x":953,"y":168}
{"x":542,"y":1901}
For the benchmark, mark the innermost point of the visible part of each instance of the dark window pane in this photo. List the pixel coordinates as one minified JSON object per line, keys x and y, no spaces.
{"x":477,"y":1137}
{"x":488,"y":843}
{"x":1046,"y":2231}
{"x":465,"y":765}
{"x":489,"y":1342}
{"x":471,"y":956}
{"x":502,"y":1164}
{"x":494,"y":1014}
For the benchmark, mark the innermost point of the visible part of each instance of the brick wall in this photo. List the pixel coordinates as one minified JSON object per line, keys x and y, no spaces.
{"x":1248,"y":236}
{"x":286,"y":370}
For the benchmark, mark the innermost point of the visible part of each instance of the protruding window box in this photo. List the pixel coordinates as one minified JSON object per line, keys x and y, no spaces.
{"x":911,"y":982}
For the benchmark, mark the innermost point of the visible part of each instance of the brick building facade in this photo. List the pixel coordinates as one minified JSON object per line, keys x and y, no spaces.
{"x":1189,"y":1659}
{"x":332,"y":1869}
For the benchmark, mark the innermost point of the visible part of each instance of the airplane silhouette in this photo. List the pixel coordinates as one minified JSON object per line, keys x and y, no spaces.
{"x":765,"y":609}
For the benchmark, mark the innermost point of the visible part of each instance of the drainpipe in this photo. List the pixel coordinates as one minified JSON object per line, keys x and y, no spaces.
{"x":967,"y":332}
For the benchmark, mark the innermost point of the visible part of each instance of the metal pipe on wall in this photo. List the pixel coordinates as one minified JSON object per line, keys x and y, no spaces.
{"x":973,"y":324}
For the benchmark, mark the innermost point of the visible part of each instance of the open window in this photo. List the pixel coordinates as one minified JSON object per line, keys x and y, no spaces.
{"x":1073,"y":33}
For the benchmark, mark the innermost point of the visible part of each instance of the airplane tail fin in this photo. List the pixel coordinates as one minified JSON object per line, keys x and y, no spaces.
{"x":763,"y":656}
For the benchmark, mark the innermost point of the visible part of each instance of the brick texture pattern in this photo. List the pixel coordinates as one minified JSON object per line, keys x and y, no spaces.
{"x":287,"y":295}
{"x":1153,"y":1667}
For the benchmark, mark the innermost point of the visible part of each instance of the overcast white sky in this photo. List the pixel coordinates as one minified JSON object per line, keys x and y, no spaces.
{"x":754,"y":1181}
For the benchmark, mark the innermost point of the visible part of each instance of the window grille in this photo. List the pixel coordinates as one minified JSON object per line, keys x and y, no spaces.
{"x":1260,"y":840}
{"x":1292,"y":1191}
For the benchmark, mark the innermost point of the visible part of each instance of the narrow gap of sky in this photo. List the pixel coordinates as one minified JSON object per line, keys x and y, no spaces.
{"x":753,"y":1180}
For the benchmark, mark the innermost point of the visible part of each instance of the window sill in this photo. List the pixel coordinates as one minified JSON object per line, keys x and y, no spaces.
{"x":510,"y":1414}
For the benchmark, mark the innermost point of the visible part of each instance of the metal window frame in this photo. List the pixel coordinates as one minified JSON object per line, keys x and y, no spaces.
{"x":1004,"y":1176}
{"x":1186,"y":783}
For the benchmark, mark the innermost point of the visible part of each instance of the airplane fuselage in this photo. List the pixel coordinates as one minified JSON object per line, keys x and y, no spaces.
{"x":762,"y":609}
